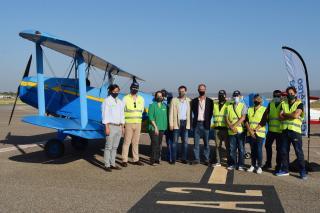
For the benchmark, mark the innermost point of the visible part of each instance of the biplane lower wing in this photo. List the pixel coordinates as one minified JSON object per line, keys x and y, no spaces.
{"x":69,"y":126}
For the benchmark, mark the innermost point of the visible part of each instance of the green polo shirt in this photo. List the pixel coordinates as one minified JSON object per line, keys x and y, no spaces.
{"x":159,"y":115}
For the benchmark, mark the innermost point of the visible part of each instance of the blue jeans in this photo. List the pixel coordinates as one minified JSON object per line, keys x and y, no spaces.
{"x":169,"y":141}
{"x":256,"y":145}
{"x":201,"y":132}
{"x":236,"y":143}
{"x":183,"y":133}
{"x":290,"y":137}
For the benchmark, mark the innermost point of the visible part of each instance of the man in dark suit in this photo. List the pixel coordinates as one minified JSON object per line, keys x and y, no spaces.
{"x":202,"y":110}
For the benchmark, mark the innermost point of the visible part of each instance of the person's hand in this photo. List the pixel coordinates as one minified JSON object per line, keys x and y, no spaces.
{"x":234,"y":130}
{"x":156,"y":131}
{"x":107,"y":130}
{"x":171,"y":128}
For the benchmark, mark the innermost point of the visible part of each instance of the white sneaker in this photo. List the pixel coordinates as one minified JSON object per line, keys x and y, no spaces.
{"x":217,"y":165}
{"x":259,"y":170}
{"x":230,"y":167}
{"x":240,"y":168}
{"x":251,"y":169}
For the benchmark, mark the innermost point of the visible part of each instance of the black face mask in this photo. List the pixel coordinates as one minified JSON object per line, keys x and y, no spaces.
{"x":159,"y":100}
{"x":202,"y":93}
{"x":133,"y":91}
{"x":114,"y":95}
{"x":222,"y":98}
{"x":256,"y":103}
{"x":291,"y":97}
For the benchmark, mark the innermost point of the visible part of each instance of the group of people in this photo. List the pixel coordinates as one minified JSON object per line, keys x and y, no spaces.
{"x":231,"y":122}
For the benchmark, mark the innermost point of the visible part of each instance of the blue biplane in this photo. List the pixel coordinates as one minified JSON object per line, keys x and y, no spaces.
{"x":68,"y":105}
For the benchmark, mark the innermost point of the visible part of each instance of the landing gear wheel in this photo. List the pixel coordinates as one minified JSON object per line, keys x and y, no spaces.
{"x":78,"y":143}
{"x":54,"y":148}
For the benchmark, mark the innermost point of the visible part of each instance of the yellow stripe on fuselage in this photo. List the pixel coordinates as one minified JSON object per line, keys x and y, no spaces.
{"x":59,"y":89}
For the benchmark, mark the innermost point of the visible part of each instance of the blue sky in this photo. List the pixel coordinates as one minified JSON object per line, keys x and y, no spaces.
{"x":224,"y":44}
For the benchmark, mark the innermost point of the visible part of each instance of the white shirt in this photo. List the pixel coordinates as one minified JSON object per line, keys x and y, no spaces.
{"x":201,"y":109}
{"x":183,"y":107}
{"x":112,"y":111}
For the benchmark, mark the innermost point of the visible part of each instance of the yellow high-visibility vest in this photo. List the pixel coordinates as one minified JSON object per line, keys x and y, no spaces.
{"x":254,"y":118}
{"x":292,"y":124}
{"x":274,"y":123}
{"x":233,"y":117}
{"x":219,"y":115}
{"x":133,"y":109}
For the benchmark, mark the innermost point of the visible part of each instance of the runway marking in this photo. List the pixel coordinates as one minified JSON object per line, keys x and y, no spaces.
{"x":218,"y":175}
{"x":17,"y":147}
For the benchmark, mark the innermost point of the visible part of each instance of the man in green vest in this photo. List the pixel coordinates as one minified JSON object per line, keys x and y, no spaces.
{"x":256,"y":125}
{"x":220,"y":126}
{"x":235,"y":116}
{"x":133,"y":109}
{"x":292,"y":116}
{"x":274,"y":131}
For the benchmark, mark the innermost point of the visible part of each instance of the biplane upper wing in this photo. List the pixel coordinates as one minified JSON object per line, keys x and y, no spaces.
{"x":71,"y":50}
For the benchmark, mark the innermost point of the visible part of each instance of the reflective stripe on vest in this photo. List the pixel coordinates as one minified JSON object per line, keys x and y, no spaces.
{"x":292,"y":124}
{"x":219,"y":115}
{"x":133,"y":109}
{"x":233,"y":117}
{"x":274,"y":123}
{"x":255,"y":118}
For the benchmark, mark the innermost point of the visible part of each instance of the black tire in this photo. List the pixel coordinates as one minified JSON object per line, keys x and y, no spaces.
{"x":78,"y":143}
{"x":54,"y":148}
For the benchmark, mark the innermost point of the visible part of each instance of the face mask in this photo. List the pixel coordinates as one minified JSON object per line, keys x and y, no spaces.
{"x":256,"y":103}
{"x":202,"y":93}
{"x":236,"y":99}
{"x":133,"y":91}
{"x":291,"y":97}
{"x":181,"y":94}
{"x":159,"y":99}
{"x":114,"y":95}
{"x":222,"y":98}
{"x":276,"y":99}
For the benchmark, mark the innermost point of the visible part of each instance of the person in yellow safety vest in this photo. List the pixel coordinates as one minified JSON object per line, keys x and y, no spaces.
{"x":220,"y":127}
{"x":235,"y":116}
{"x":256,"y":121}
{"x":292,"y":116}
{"x":133,"y":109}
{"x":274,"y":131}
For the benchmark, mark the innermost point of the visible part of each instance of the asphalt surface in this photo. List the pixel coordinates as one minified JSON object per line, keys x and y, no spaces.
{"x":30,"y":182}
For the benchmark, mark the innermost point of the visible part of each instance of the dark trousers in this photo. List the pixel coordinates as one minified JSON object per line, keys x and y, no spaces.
{"x":183,"y":133}
{"x":256,"y":145}
{"x":201,"y":132}
{"x":290,"y":137}
{"x":156,"y":141}
{"x":236,"y":144}
{"x":271,"y":137}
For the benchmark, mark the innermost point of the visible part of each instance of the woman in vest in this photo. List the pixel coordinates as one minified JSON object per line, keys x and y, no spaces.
{"x":292,"y":116}
{"x":256,"y":131}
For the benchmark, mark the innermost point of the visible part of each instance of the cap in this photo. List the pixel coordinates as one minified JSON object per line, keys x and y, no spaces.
{"x":236,"y":93}
{"x":222,"y":92}
{"x":277,"y":93}
{"x":134,"y":85}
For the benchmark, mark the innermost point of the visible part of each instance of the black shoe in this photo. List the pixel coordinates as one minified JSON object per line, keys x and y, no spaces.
{"x":267,"y":166}
{"x":108,"y":169}
{"x":138,"y":163}
{"x":157,"y":162}
{"x":172,"y":162}
{"x":124,"y":164}
{"x":184,"y":161}
{"x":115,"y":167}
{"x":207,"y":163}
{"x":195,"y":162}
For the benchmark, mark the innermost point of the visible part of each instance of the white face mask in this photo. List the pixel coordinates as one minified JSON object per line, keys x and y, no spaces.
{"x":236,"y":99}
{"x":277,"y":99}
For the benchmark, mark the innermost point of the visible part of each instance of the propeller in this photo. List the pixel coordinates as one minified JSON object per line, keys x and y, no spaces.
{"x":25,"y":74}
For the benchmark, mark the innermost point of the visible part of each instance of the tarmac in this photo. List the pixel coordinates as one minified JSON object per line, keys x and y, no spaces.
{"x":77,"y":182}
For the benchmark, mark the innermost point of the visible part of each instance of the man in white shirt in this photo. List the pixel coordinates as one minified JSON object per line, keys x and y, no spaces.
{"x":113,"y":119}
